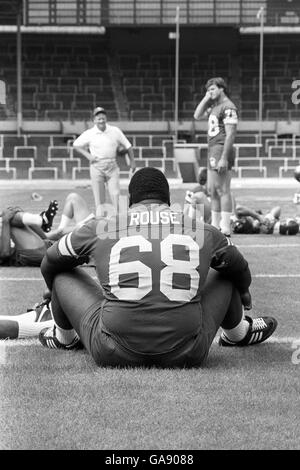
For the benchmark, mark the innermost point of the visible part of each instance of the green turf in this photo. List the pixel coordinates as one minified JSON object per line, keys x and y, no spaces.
{"x":60,"y":400}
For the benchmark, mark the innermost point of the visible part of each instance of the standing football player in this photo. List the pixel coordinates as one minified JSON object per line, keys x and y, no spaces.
{"x":222,"y":127}
{"x":157,"y":301}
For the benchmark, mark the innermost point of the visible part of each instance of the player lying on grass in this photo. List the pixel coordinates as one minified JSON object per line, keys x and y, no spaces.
{"x":23,"y":235}
{"x":30,"y":323}
{"x":166,"y":283}
{"x":244,"y":219}
{"x":32,"y":234}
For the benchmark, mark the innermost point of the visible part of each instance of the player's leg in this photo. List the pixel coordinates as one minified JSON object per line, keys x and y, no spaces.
{"x":75,"y":296}
{"x":75,"y":211}
{"x":26,"y":238}
{"x":113,"y":185}
{"x":98,"y":187}
{"x":224,"y":189}
{"x":212,"y":184}
{"x":275,"y":212}
{"x":28,"y":324}
{"x":222,"y":307}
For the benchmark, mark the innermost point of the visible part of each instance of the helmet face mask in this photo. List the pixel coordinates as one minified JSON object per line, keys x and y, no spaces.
{"x":242,"y":225}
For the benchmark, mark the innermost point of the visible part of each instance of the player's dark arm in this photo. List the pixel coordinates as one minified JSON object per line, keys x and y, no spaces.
{"x":230,"y":130}
{"x":243,"y":211}
{"x":230,"y":262}
{"x":55,"y":262}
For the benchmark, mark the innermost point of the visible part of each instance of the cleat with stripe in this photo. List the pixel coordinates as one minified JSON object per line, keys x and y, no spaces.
{"x":42,"y":310}
{"x":48,"y":339}
{"x":48,"y":216}
{"x":260,"y":329}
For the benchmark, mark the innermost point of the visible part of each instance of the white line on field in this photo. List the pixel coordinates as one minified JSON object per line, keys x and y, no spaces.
{"x":263,"y":275}
{"x":288,"y":245}
{"x":2,"y":352}
{"x":5,"y":344}
{"x":276,"y":339}
{"x":276,"y":275}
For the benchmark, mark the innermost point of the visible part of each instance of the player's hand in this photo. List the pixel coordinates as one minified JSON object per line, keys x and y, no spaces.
{"x":246,"y":300}
{"x":222,"y":165}
{"x":207,"y":96}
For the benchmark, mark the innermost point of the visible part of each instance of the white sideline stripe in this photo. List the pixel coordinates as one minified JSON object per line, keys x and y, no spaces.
{"x":22,"y":279}
{"x":263,"y":275}
{"x":288,"y":245}
{"x":275,"y":339}
{"x":2,"y":352}
{"x":8,"y":343}
{"x":276,"y":275}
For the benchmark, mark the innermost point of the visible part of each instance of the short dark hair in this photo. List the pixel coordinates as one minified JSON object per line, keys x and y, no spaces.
{"x":218,"y":81}
{"x":148,"y":183}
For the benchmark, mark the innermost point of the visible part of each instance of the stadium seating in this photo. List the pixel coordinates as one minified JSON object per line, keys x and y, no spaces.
{"x":63,"y":82}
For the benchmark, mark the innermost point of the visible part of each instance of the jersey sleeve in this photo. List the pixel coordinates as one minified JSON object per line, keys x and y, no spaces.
{"x":230,"y":262}
{"x":70,"y":251}
{"x":230,"y":115}
{"x":82,"y":140}
{"x":123,"y":139}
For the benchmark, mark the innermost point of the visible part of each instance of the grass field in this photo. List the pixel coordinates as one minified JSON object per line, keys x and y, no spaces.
{"x":241,"y":399}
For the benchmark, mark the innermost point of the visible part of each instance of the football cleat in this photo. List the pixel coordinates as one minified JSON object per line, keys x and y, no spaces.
{"x":48,"y":216}
{"x":260,"y":329}
{"x":48,"y":339}
{"x":42,"y":310}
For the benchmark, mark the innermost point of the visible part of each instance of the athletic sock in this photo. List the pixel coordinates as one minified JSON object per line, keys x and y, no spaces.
{"x":32,"y":219}
{"x":238,"y":332}
{"x":65,"y":336}
{"x":225,"y":224}
{"x":215,"y":219}
{"x":28,"y":316}
{"x":29,"y":329}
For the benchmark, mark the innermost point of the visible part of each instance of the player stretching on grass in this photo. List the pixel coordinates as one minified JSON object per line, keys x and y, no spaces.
{"x":29,"y":324}
{"x":167,"y":283}
{"x":28,"y":232}
{"x":222,"y":125}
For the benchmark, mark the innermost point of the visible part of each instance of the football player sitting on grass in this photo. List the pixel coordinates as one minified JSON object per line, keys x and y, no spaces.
{"x":165,"y":285}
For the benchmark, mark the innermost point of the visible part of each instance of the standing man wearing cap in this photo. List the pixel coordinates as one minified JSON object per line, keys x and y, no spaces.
{"x":100,"y":145}
{"x":222,"y":126}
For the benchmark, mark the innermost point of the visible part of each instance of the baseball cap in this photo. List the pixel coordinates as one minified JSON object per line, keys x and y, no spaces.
{"x":98,"y":110}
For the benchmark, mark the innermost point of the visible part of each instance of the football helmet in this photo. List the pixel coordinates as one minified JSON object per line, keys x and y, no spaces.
{"x":289,"y":227}
{"x":242,"y":225}
{"x":297,"y":173}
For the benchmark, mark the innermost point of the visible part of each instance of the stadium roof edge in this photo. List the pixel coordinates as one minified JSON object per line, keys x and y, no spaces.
{"x":270,"y":29}
{"x":54,"y":29}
